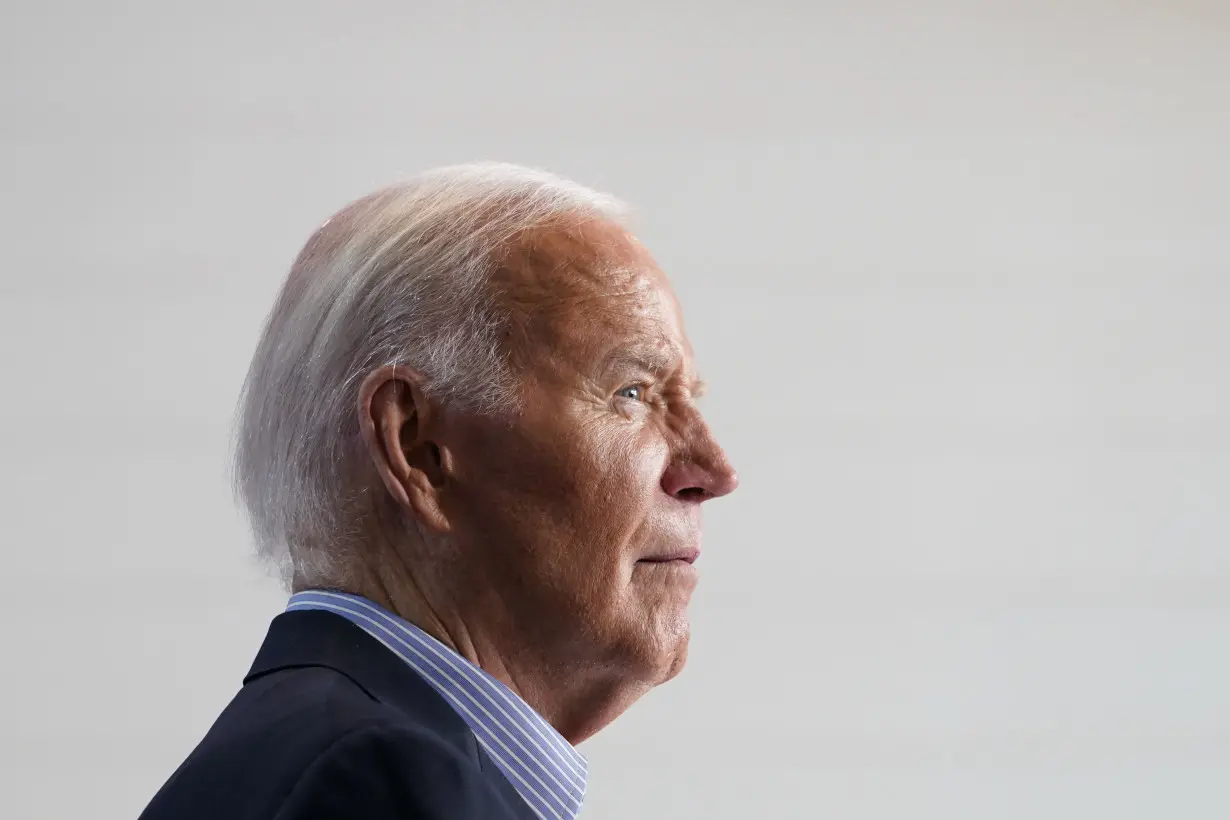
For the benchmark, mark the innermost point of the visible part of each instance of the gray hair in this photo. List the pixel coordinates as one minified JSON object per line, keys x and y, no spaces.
{"x":398,"y":277}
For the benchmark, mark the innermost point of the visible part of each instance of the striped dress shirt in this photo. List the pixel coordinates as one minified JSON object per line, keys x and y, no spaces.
{"x":541,"y":765}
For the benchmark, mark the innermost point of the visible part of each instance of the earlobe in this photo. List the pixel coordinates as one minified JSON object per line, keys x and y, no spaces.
{"x":396,"y":421}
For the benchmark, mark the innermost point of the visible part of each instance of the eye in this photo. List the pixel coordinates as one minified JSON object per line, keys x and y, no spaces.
{"x":634,"y":392}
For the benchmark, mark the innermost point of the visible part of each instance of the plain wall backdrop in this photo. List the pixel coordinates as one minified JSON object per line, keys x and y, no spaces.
{"x":959,"y":276}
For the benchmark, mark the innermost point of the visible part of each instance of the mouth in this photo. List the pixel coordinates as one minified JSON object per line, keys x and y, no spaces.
{"x":688,"y":556}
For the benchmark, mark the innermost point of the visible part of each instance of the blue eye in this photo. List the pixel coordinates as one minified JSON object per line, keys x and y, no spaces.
{"x":633,"y":391}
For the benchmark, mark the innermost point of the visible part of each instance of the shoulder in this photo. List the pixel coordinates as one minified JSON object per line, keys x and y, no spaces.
{"x":394,"y":771}
{"x":311,"y":743}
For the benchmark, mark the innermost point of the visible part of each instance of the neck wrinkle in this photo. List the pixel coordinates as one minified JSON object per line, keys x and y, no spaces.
{"x":576,"y":702}
{"x":391,"y":584}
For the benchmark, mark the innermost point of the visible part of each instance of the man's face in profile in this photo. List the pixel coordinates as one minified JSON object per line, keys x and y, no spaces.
{"x":584,"y":509}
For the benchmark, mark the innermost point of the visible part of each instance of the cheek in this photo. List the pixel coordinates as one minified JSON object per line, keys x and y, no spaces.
{"x":600,"y":509}
{"x":627,"y":467}
{"x":576,"y":498}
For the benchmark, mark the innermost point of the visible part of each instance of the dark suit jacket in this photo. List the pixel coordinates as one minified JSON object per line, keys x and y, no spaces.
{"x":331,"y":724}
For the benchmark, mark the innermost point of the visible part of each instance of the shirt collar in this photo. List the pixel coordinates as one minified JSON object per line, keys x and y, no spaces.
{"x":544,"y":768}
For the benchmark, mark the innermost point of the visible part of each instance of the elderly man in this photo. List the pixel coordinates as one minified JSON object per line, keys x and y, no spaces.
{"x":470,"y":441}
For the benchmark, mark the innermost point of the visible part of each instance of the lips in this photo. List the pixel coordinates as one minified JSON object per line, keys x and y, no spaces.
{"x":687,"y":556}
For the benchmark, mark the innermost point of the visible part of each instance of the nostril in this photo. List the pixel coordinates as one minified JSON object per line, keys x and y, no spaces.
{"x":695,"y":483}
{"x":692,"y":494}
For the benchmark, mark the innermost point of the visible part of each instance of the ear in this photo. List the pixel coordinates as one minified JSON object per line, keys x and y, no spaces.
{"x":396,"y":422}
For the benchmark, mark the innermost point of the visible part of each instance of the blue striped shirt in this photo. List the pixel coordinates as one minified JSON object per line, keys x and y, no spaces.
{"x":541,"y":765}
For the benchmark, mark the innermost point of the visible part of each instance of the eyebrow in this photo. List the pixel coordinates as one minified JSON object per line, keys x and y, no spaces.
{"x":652,"y":359}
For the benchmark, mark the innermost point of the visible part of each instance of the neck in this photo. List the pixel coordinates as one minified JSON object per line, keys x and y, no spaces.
{"x":577,"y":699}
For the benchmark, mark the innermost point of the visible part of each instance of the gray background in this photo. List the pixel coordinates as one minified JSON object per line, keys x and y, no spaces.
{"x":959,"y":276}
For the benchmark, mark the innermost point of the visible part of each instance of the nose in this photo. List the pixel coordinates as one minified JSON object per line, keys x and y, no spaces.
{"x":698,"y":481}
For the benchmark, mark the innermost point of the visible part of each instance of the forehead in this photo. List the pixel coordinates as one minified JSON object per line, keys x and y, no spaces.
{"x":588,"y":290}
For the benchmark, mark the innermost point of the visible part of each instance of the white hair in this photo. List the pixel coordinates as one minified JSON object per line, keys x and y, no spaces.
{"x":398,"y":277}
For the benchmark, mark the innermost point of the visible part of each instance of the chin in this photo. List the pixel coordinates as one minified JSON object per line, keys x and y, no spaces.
{"x":669,"y":650}
{"x":651,"y":639}
{"x":677,"y":661}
